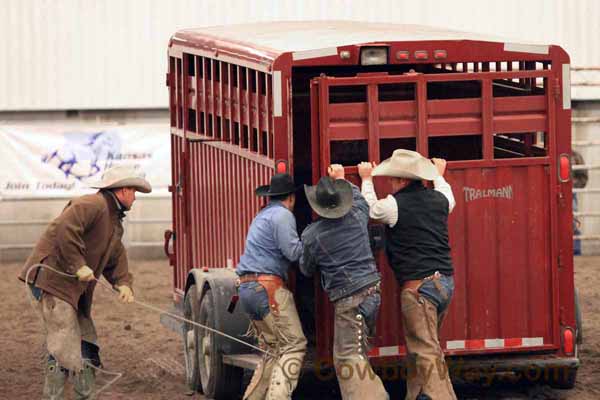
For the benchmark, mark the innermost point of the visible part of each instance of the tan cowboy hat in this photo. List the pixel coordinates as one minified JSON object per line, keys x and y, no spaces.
{"x":123,"y":176}
{"x":407,"y":164}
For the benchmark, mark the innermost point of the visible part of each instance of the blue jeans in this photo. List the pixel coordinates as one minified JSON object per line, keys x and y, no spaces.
{"x":369,"y":308}
{"x":440,"y":295}
{"x":254,"y":300}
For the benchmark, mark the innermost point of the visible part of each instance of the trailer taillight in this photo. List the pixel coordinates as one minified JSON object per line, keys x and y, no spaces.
{"x":402,"y":55}
{"x":564,"y":168}
{"x":439,"y":54}
{"x":421,"y":55}
{"x":568,"y":341}
{"x":281,"y":167}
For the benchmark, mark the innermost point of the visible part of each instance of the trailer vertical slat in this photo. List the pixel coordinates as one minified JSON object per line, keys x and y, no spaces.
{"x":205,"y":77}
{"x":270,"y":132}
{"x":230,"y":103}
{"x":324,"y":127}
{"x":373,"y":110}
{"x":487,"y":118}
{"x":422,"y":138}
{"x":206,"y":206}
{"x":551,"y":142}
{"x":198,"y":93}
{"x":221,"y":101}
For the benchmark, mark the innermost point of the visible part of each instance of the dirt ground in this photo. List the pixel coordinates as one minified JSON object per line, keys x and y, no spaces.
{"x":150,"y":357}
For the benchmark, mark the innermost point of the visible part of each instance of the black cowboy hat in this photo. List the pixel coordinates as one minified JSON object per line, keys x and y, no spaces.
{"x":330,"y":198}
{"x":280,"y":184}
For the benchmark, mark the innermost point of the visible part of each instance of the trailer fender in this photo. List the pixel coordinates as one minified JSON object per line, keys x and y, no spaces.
{"x":220,"y":284}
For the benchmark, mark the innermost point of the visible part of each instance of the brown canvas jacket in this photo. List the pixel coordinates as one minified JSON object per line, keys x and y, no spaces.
{"x":87,"y":232}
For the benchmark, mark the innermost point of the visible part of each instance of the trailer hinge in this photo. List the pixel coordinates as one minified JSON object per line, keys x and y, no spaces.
{"x":177,"y":187}
{"x":561,"y":259}
{"x":556,"y":88}
{"x":561,"y":316}
{"x":167,"y":80}
{"x":561,"y":198}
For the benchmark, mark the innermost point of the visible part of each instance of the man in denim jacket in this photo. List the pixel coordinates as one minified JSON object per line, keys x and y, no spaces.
{"x":338,"y":245}
{"x":272,"y":245}
{"x":419,"y":254}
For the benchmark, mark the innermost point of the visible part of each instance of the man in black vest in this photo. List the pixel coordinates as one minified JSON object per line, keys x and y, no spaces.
{"x":418,"y":251}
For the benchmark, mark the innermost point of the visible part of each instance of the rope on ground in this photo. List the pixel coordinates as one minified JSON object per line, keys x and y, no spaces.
{"x":151,"y":307}
{"x":118,"y":375}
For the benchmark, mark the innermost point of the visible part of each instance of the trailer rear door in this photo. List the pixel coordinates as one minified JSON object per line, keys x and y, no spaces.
{"x":498,"y":132}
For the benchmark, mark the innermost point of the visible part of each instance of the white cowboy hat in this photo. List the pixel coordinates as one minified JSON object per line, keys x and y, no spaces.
{"x":123,"y":176}
{"x":407,"y":164}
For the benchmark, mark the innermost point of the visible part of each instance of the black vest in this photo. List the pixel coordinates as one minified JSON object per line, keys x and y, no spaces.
{"x":417,"y":245}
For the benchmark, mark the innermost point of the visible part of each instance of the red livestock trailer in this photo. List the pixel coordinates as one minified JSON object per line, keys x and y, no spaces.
{"x":247,"y":101}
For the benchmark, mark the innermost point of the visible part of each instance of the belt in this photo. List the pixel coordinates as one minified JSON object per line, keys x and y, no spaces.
{"x":365,"y":291}
{"x":269,"y":282}
{"x":415,"y":284}
{"x":376,"y":288}
{"x":254,"y":277}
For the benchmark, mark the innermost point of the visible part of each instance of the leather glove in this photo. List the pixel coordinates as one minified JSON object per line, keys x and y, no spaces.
{"x":125,"y":294}
{"x":85,"y":274}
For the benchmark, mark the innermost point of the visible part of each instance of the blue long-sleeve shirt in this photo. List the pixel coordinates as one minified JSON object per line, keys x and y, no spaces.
{"x":272,"y":243}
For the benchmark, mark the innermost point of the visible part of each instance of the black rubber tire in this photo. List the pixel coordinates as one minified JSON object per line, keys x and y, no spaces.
{"x":578,"y":319}
{"x":219,"y":381}
{"x":562,"y":379}
{"x":191,"y":310}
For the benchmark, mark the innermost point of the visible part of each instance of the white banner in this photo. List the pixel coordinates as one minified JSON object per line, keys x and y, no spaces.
{"x":62,"y":162}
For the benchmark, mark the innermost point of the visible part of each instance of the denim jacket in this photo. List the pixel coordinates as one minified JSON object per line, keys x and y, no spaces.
{"x":340,"y":249}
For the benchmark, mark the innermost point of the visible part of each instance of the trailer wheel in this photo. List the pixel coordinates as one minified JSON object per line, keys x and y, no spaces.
{"x":562,"y":378}
{"x":190,"y":340}
{"x":219,"y":381}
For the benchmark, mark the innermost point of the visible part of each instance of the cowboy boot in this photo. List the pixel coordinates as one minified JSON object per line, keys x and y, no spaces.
{"x":84,"y":382}
{"x":54,"y":383}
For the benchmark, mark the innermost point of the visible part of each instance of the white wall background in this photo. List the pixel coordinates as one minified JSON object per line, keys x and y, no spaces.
{"x":111,"y":54}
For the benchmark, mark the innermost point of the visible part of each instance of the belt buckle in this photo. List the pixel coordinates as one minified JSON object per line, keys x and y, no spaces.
{"x":376,"y":288}
{"x":435,"y":275}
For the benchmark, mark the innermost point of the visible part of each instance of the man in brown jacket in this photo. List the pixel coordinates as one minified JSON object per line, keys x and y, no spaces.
{"x":83,"y":241}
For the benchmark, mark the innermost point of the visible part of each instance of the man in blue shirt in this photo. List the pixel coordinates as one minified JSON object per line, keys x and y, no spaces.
{"x":272,"y":245}
{"x":338,"y":245}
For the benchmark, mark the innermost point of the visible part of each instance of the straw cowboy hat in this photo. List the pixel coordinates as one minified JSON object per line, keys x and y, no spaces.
{"x":123,"y":176}
{"x":280,"y":184}
{"x":407,"y":164}
{"x":330,"y":198}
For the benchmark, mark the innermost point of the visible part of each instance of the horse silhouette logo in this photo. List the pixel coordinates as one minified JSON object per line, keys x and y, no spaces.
{"x":85,"y":154}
